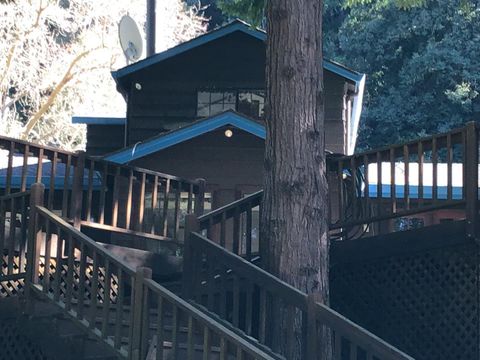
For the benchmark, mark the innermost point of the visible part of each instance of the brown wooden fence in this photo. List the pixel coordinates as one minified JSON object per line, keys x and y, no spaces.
{"x":246,"y":296}
{"x":135,"y":318}
{"x":104,"y":195}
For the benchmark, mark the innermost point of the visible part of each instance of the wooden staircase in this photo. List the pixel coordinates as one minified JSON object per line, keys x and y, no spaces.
{"x":86,"y":292}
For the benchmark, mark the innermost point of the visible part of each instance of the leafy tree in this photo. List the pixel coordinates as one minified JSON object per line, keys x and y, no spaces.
{"x":56,"y":57}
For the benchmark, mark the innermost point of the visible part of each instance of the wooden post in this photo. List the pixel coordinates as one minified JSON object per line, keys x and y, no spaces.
{"x":77,"y":190}
{"x":34,"y":237}
{"x":191,"y":225}
{"x":200,"y":197}
{"x":136,"y":335}
{"x":471,"y":179}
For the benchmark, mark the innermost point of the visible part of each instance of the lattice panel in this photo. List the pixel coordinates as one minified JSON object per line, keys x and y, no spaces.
{"x":13,"y":345}
{"x":426,"y":304}
{"x":13,"y":288}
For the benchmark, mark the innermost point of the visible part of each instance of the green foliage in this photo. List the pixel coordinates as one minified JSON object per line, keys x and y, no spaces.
{"x":421,"y":58}
{"x":248,"y":10}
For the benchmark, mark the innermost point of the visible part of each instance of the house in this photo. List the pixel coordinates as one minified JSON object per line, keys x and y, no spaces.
{"x":197,"y":110}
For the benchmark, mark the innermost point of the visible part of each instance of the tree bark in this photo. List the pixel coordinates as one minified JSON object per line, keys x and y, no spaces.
{"x":295,"y":209}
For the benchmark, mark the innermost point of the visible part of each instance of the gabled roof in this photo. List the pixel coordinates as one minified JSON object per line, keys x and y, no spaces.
{"x":236,"y":25}
{"x":174,"y":137}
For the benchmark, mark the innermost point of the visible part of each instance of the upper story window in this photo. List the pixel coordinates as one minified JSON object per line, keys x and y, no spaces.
{"x":248,"y":102}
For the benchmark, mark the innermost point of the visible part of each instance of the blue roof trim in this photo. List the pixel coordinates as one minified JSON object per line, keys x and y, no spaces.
{"x":186,"y":133}
{"x":89,"y":120}
{"x":236,"y":25}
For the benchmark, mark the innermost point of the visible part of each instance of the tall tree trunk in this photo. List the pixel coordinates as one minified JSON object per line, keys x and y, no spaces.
{"x":294,"y":216}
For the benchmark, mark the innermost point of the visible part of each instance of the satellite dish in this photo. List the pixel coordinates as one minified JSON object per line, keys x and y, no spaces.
{"x":130,"y":38}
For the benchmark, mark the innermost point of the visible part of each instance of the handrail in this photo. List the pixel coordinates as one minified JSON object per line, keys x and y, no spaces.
{"x":209,"y":325}
{"x":127,"y":295}
{"x":253,"y":286}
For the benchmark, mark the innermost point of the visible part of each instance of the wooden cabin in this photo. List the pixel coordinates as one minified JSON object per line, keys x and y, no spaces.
{"x":197,"y":110}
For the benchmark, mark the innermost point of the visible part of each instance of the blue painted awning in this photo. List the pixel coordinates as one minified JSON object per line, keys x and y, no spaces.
{"x":174,"y":137}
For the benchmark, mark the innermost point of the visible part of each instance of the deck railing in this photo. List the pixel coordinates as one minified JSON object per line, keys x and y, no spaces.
{"x":425,"y":175}
{"x":248,"y":298}
{"x":14,"y":210}
{"x":115,"y":303}
{"x":92,"y":192}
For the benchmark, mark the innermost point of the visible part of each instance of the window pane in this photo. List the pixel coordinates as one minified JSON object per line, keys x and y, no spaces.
{"x":203,"y":97}
{"x":216,"y":108}
{"x":229,"y":98}
{"x":217,"y":98}
{"x":203,"y":110}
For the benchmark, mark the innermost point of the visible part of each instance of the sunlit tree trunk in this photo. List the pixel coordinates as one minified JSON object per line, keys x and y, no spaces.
{"x":294,"y":216}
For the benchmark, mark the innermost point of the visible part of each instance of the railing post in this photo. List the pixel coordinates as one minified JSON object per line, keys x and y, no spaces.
{"x":141,"y":274}
{"x":191,"y":225}
{"x":200,"y":197}
{"x":37,"y":191}
{"x":471,"y":179}
{"x":77,"y":190}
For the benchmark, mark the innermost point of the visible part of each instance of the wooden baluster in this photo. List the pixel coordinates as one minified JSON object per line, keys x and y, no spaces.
{"x":434,"y":169}
{"x":70,"y":269}
{"x":200,"y":197}
{"x":11,"y":237}
{"x":128,"y":213}
{"x":236,"y":232}
{"x":210,"y":228}
{"x":137,"y":308}
{"x":341,"y":201}
{"x":10,"y":168}
{"x":145,"y":322}
{"x":338,"y":346}
{"x":23,"y":233}
{"x":421,"y":159}
{"x":154,"y":203}
{"x":160,"y":336}
{"x":106,"y":298}
{"x":239,"y":355}
{"x":176,"y":217}
{"x":38,"y":177}
{"x":77,"y":191}
{"x":223,"y":290}
{"x":353,"y":169}
{"x":58,"y":265}
{"x":23,"y":185}
{"x":116,"y":191}
{"x":94,"y":290}
{"x":471,"y":188}
{"x":464,"y":164}
{"x":46,"y":269}
{"x":82,"y":280}
{"x":379,"y":182}
{"x":290,"y":333}
{"x":262,"y":316}
{"x":406,"y":160}
{"x":190,"y":338}
{"x":206,"y":343}
{"x":249,"y":233}
{"x":119,"y":308}
{"x":101,"y":200}
{"x":449,"y":167}
{"x":211,"y":288}
{"x":89,"y":204}
{"x":236,"y":299}
{"x":66,"y":185}
{"x":366,"y":190}
{"x":353,"y":351}
{"x":190,"y":199}
{"x":3,"y":219}
{"x":141,"y":205}
{"x":223,"y":229}
{"x":175,"y":326}
{"x":393,"y":195}
{"x":53,"y":173}
{"x":249,"y":289}
{"x":166,"y":194}
{"x":223,"y":349}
